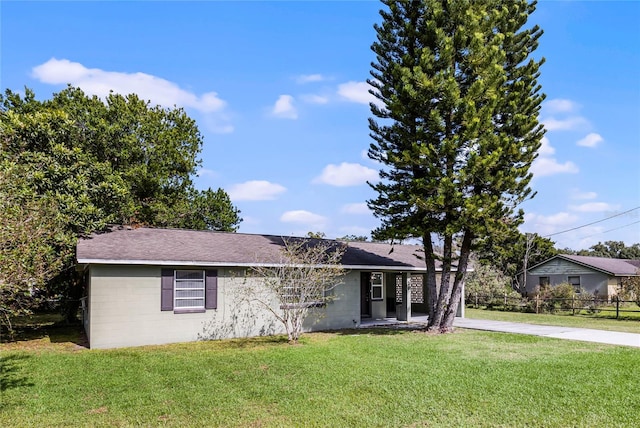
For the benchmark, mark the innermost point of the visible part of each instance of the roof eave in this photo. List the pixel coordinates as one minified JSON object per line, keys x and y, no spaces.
{"x":87,"y":261}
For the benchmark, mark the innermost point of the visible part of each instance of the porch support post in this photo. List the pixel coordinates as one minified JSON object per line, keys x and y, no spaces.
{"x":403,"y":309}
{"x":461,"y":306}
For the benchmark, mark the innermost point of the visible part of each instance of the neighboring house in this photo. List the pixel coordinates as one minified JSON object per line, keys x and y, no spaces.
{"x":596,"y":275}
{"x":154,"y":286}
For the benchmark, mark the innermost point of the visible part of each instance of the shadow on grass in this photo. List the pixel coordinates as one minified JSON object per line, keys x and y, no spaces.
{"x":56,"y":332}
{"x":247,"y":342}
{"x":378,"y":330}
{"x":11,"y":374}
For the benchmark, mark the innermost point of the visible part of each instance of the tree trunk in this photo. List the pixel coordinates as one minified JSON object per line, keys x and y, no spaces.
{"x":444,"y":295}
{"x":452,"y":309}
{"x":432,"y":286}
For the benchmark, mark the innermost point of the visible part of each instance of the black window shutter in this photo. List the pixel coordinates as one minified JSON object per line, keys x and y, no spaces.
{"x":211,"y":290}
{"x":166,"y":295}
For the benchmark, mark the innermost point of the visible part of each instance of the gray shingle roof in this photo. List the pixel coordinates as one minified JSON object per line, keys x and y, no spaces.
{"x":615,"y":267}
{"x":178,"y":246}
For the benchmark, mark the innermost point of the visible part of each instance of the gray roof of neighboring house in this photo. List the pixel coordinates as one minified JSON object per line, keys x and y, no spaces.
{"x":615,"y":267}
{"x":207,"y":248}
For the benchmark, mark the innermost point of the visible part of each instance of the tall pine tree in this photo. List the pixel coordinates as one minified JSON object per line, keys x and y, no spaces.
{"x":457,"y":129}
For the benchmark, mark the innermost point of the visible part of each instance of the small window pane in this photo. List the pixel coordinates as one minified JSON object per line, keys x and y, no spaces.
{"x":376,"y":293}
{"x":189,"y":274}
{"x":189,"y":293}
{"x":188,"y":284}
{"x":189,"y":303}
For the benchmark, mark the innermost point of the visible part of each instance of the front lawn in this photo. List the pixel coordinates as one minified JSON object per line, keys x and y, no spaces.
{"x":562,"y":319}
{"x":378,"y":378}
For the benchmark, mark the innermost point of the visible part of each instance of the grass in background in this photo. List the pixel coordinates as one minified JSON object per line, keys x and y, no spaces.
{"x":355,"y":378}
{"x":561,"y":319}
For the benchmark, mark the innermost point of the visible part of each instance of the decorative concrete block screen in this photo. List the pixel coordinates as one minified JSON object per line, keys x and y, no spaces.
{"x":417,"y":290}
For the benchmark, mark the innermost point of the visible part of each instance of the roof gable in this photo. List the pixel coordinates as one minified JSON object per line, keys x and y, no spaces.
{"x":613,"y":267}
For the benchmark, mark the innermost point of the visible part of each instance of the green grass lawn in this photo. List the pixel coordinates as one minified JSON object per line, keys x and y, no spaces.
{"x":378,"y":378}
{"x":562,"y":319}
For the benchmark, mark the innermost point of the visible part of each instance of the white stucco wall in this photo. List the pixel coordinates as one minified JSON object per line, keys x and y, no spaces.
{"x":124,"y":304}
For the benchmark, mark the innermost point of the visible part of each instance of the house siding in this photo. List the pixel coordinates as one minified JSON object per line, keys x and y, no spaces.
{"x":559,"y":271}
{"x":124,"y":304}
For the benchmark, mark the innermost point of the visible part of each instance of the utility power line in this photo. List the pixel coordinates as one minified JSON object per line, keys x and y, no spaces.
{"x":611,"y":230}
{"x":593,"y":222}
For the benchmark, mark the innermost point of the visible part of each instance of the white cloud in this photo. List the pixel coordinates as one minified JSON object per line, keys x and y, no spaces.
{"x":558,"y":219}
{"x":205,"y":172}
{"x":567,"y":124}
{"x":359,"y":208}
{"x":583,"y":195}
{"x":94,"y":81}
{"x":284,"y":108}
{"x":346,"y":174}
{"x":546,"y":225}
{"x":304,"y":217}
{"x":546,"y":164}
{"x":549,"y":166}
{"x":358,"y":92}
{"x":594,"y":207}
{"x":307,"y":78}
{"x":256,"y":190}
{"x":545,"y":148}
{"x":560,"y":105}
{"x":314,"y":99}
{"x":591,"y":140}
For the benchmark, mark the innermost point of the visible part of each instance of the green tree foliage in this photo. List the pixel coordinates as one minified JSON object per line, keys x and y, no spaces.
{"x":514,"y":252}
{"x":95,"y":163}
{"x":487,"y":286}
{"x":356,"y":238}
{"x":32,"y":249}
{"x":457,"y":129}
{"x":613,"y":250}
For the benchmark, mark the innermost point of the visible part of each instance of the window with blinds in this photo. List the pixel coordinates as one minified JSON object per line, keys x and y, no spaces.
{"x":189,"y":287}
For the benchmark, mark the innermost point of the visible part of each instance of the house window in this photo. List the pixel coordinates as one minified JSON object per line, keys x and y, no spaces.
{"x":377,"y":286}
{"x":575,"y":281}
{"x":295,"y":297}
{"x":189,"y":289}
{"x":543,"y":281}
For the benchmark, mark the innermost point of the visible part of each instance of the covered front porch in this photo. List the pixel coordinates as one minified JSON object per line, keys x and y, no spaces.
{"x":393,"y":297}
{"x":418,"y":320}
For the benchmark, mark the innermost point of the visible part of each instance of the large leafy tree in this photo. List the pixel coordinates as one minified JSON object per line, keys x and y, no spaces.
{"x":457,"y":129}
{"x":95,"y":163}
{"x":514,"y":253}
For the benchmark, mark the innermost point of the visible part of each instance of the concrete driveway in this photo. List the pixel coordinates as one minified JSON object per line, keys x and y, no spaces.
{"x":569,"y":333}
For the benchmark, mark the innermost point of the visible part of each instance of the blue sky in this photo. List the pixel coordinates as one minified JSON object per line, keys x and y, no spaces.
{"x":278,"y":92}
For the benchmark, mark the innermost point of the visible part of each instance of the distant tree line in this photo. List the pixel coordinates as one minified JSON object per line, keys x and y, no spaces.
{"x":608,"y":249}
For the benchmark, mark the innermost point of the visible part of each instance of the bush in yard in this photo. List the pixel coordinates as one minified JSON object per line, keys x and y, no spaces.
{"x":489,"y":286}
{"x":630,"y":289}
{"x":308,"y":270}
{"x":562,"y":297}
